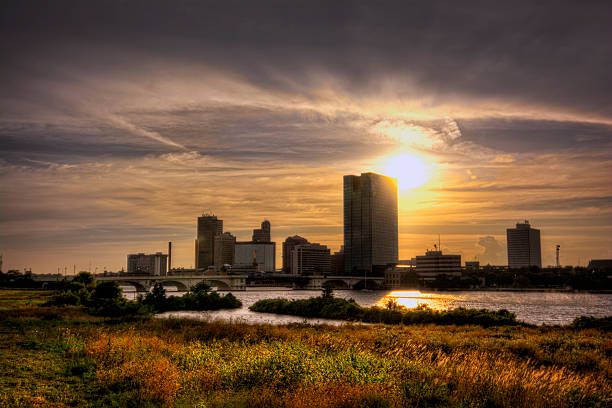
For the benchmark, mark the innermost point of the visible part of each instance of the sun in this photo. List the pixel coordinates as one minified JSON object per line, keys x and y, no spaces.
{"x":409,"y":170}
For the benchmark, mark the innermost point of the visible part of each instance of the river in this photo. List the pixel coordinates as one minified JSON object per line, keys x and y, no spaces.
{"x":531,"y":307}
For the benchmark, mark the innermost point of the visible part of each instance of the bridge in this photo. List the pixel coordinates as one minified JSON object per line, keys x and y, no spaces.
{"x":239,"y":282}
{"x":183,"y":283}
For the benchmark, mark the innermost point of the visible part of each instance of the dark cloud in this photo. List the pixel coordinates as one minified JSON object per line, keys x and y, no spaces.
{"x":546,"y":53}
{"x":536,"y":136}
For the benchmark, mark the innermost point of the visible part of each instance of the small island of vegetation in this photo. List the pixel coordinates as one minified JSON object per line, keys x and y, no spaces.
{"x":329,"y":307}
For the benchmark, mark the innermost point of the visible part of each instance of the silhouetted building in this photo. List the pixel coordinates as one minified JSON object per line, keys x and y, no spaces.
{"x":262,"y":254}
{"x":225,"y":247}
{"x":600,"y":264}
{"x":154,"y":264}
{"x":288,"y":246}
{"x":310,"y":259}
{"x":262,"y":234}
{"x":472,"y":266}
{"x":337,"y":262}
{"x":370,"y":223}
{"x":208,"y":228}
{"x":434,"y":264}
{"x":523,"y":246}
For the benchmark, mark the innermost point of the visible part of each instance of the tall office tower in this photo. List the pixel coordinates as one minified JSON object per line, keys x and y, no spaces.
{"x":225,"y":248}
{"x":288,"y":246}
{"x":523,"y":246}
{"x":262,"y":234}
{"x":208,"y":228}
{"x":370,"y":223}
{"x":311,"y":259}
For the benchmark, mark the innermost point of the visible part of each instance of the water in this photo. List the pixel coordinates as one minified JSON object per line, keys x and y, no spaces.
{"x":531,"y":307}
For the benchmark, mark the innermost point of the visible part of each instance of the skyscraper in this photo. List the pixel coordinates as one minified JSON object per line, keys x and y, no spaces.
{"x":370,"y":223}
{"x":262,"y":234}
{"x":523,"y":246}
{"x":208,"y":227}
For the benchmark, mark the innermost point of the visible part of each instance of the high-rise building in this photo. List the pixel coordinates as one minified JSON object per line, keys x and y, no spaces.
{"x":154,"y":264}
{"x":288,"y":246}
{"x":262,"y":254}
{"x":208,"y":228}
{"x":311,"y":259}
{"x":262,"y":234}
{"x":523,"y":246}
{"x":370,"y":223}
{"x":434,"y":264}
{"x":225,"y":247}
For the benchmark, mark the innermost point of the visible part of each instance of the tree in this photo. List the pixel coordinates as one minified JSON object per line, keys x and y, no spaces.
{"x":328,"y":290}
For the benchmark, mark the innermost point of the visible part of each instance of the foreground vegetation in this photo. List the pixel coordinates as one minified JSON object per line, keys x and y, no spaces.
{"x":330,"y":307}
{"x":58,"y":356}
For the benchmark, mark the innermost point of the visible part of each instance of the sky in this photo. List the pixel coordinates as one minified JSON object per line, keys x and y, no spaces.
{"x":122,"y":122}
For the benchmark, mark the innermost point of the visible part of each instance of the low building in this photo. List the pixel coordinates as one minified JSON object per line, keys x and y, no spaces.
{"x":262,"y":254}
{"x":142,"y":264}
{"x":396,"y":276}
{"x":434,"y":264}
{"x":311,"y":259}
{"x":472,"y":266}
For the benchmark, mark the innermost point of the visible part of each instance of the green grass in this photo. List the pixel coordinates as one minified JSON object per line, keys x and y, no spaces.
{"x":65,"y":357}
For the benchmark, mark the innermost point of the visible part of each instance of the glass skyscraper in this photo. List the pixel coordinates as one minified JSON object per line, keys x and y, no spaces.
{"x":370,"y":223}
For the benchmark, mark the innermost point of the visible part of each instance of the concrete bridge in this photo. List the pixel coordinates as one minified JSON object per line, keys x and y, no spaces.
{"x":182,"y":283}
{"x":239,"y":282}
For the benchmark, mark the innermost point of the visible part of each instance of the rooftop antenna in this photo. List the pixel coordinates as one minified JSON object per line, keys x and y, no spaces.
{"x":439,"y":243}
{"x":558,"y":247}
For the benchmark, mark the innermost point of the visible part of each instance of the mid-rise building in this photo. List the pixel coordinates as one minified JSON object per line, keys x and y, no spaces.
{"x":311,"y":259}
{"x":208,"y":228}
{"x":288,"y":246}
{"x":523,"y":246}
{"x":262,"y":234}
{"x":262,"y":254}
{"x":472,"y":266}
{"x":225,"y":247}
{"x":370,"y":223}
{"x":142,"y":264}
{"x":337,"y":262}
{"x":434,"y":264}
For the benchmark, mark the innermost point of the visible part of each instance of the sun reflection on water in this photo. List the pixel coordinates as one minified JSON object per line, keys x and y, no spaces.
{"x":412,"y":299}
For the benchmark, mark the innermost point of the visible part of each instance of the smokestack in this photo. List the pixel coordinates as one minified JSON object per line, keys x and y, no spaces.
{"x":169,"y":256}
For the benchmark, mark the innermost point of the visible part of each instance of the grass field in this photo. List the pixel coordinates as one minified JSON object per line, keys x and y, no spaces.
{"x":61,"y":356}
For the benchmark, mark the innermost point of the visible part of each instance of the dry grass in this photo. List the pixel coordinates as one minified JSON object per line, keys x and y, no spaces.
{"x":74,"y":360}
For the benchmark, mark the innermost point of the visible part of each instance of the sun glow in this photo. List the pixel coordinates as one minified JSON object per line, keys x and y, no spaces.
{"x":409,"y":170}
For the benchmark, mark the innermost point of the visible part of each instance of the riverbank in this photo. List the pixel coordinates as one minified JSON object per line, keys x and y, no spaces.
{"x":61,"y":356}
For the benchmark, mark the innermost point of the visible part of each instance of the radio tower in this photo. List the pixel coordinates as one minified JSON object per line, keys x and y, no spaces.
{"x":558,"y":247}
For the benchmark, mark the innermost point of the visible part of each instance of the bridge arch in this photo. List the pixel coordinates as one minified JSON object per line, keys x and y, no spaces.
{"x":219,"y":284}
{"x":339,"y":283}
{"x":136,"y":284}
{"x":180,"y":286}
{"x":371,"y":284}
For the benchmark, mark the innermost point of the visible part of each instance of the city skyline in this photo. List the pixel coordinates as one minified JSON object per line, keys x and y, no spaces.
{"x":119,"y":127}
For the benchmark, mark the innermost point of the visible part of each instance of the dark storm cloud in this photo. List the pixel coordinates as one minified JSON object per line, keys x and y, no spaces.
{"x":546,"y":53}
{"x":531,"y":136}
